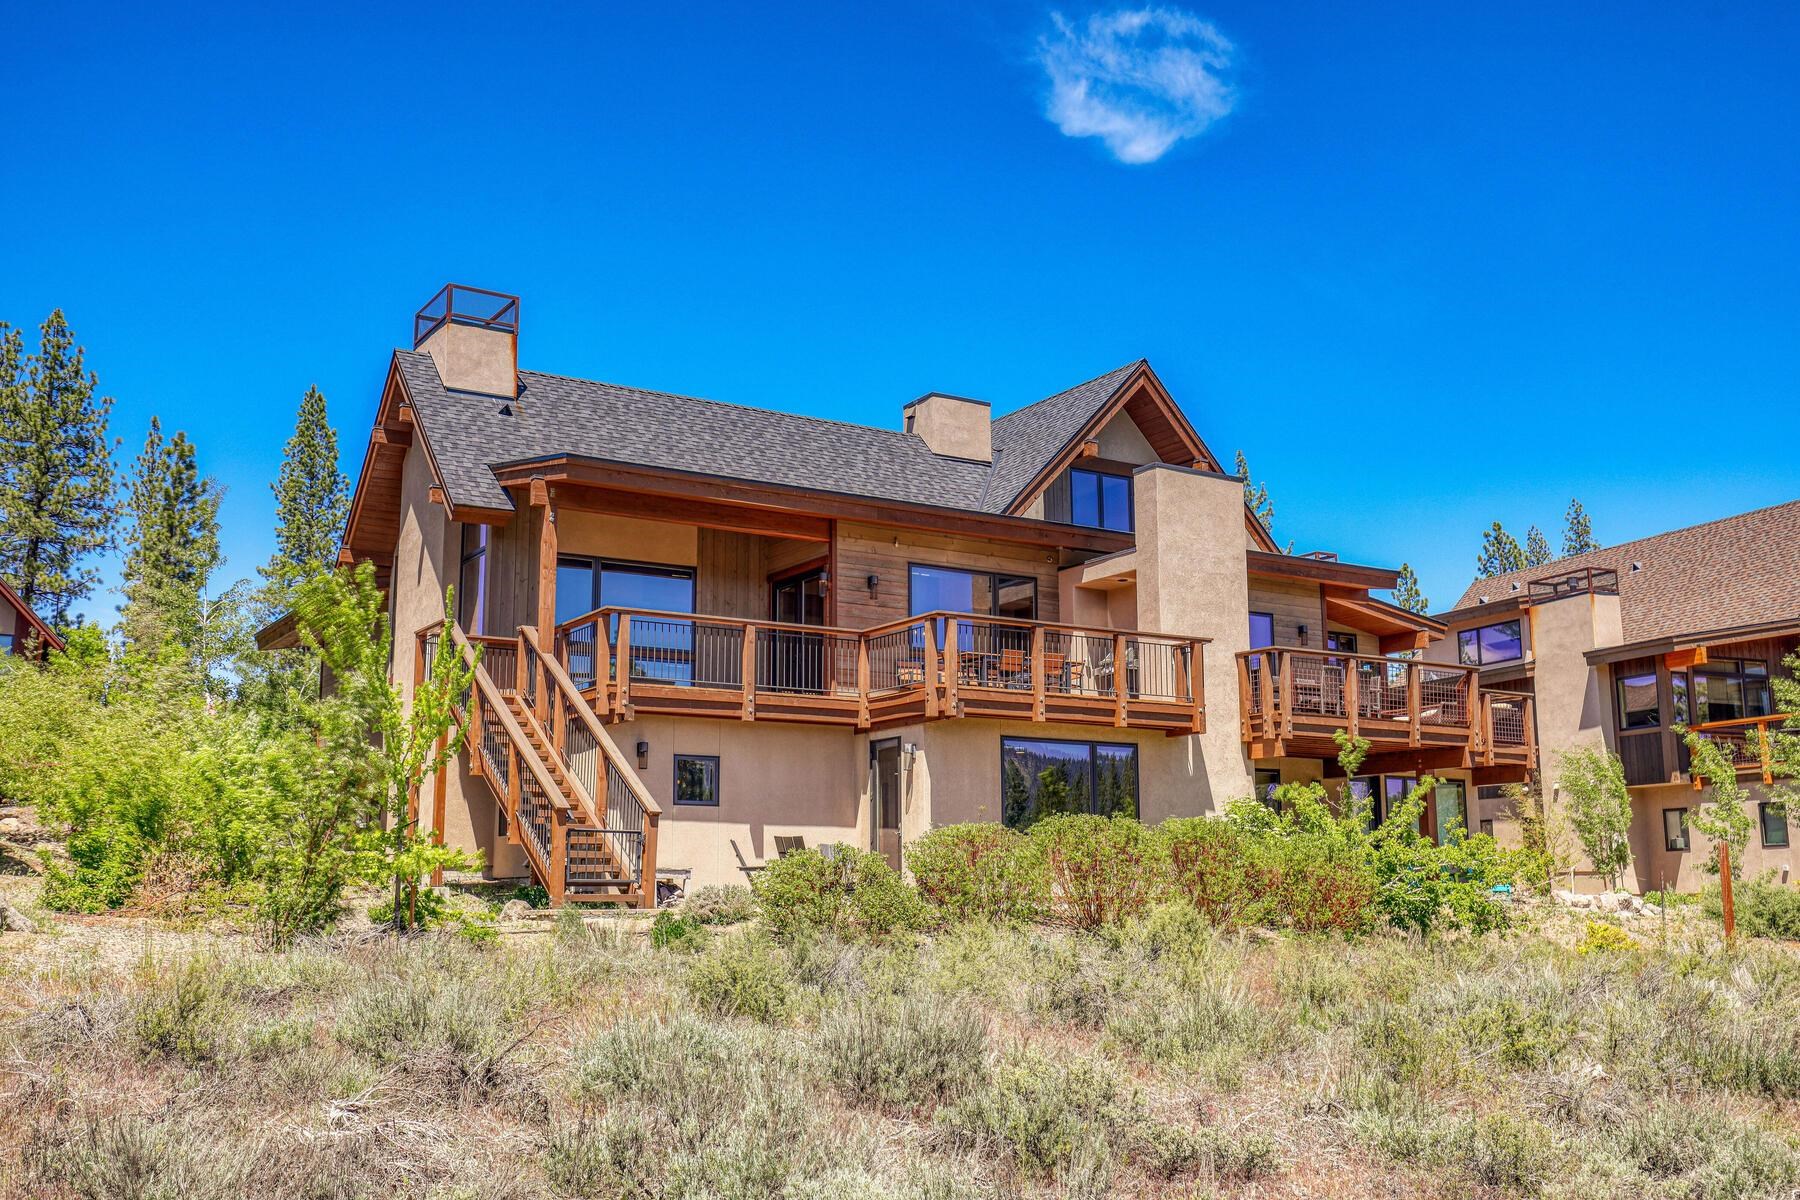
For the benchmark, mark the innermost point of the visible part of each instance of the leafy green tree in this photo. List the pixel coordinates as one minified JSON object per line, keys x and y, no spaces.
{"x":1537,"y":548}
{"x":172,"y":542}
{"x":311,"y":498}
{"x":1406,"y":591}
{"x":56,"y":474}
{"x":1578,"y":532}
{"x":1599,"y":809}
{"x":1722,"y":819}
{"x":1500,"y":553}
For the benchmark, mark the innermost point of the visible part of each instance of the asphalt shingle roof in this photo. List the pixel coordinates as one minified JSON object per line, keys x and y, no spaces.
{"x":1723,"y":574}
{"x":470,"y":434}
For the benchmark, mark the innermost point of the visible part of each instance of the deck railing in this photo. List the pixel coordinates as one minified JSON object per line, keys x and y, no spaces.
{"x":1601,"y":581}
{"x":1285,"y":691}
{"x":947,"y":661}
{"x":1745,"y":742}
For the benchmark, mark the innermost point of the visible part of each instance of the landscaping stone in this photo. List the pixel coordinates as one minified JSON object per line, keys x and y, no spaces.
{"x":515,"y":910}
{"x":13,"y":920}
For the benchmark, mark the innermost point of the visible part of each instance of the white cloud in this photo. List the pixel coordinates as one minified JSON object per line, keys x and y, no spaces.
{"x":1138,"y":79}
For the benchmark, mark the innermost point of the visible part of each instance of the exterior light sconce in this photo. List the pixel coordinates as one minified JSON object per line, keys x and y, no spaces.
{"x":643,"y":751}
{"x":1303,"y":635}
{"x":874,"y":582}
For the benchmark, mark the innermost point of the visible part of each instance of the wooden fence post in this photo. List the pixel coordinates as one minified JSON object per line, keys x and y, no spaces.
{"x":1725,"y":892}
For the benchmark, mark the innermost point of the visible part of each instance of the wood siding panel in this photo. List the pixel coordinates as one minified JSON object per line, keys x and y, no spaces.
{"x":1292,"y":605}
{"x":512,"y":569}
{"x":864,"y":550}
{"x":730,"y":579}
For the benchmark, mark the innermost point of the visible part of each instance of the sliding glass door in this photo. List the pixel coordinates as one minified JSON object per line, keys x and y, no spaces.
{"x":662,"y":648}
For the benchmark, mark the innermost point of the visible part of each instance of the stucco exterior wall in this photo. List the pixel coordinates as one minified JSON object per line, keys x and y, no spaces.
{"x":1191,"y":573}
{"x":1656,"y":867}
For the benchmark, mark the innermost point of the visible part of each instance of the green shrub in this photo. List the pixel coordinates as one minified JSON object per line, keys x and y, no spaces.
{"x":1219,"y":868}
{"x":1505,"y":1151}
{"x":1101,"y":870}
{"x":1043,"y":1116}
{"x":740,"y":976}
{"x":1171,"y":1151}
{"x":850,"y":893}
{"x":904,"y":1054}
{"x":183,"y":1016}
{"x":719,"y":904}
{"x":979,"y":872}
{"x":1319,"y":889}
{"x":1764,"y":908}
{"x":676,"y":931}
{"x":1601,"y":937}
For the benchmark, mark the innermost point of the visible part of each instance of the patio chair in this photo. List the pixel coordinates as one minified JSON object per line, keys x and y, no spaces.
{"x":748,"y":868}
{"x":785,"y":845}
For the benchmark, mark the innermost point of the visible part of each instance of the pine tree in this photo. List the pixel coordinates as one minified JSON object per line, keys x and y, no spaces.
{"x":1537,"y":548}
{"x":311,"y":498}
{"x":1406,"y":591}
{"x":1500,"y":553}
{"x":56,"y":474}
{"x":172,"y":541}
{"x":1256,"y":497}
{"x":1578,"y":532}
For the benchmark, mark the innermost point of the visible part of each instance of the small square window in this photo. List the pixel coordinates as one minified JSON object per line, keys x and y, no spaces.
{"x":1675,"y":830}
{"x":697,"y":779}
{"x":1267,"y":781}
{"x":1774,"y":824}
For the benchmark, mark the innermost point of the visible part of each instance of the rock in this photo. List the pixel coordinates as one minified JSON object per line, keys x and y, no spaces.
{"x":10,"y":825}
{"x":14,"y":920}
{"x":515,"y":910}
{"x":1607,"y":901}
{"x":1651,"y":910}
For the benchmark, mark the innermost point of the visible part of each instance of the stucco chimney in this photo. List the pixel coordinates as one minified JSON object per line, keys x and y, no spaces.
{"x":952,"y":425}
{"x":473,"y":336}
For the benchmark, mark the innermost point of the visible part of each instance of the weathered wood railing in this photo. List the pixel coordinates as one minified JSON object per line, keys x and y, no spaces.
{"x":932,"y":665}
{"x":1284,"y":692}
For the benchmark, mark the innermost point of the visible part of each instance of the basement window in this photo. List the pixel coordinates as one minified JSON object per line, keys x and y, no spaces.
{"x":697,"y":779}
{"x":1774,"y":824}
{"x":1040,"y":777}
{"x":1675,"y":830}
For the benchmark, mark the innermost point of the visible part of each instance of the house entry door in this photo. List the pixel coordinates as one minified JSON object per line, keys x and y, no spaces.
{"x":884,"y":799}
{"x":794,"y":660}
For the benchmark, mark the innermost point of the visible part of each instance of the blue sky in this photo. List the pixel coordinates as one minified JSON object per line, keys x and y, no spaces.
{"x":1372,"y":246}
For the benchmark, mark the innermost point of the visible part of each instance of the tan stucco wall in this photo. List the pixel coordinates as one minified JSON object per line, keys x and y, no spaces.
{"x":627,"y":539}
{"x":953,"y":426}
{"x":1656,"y":867}
{"x":1122,"y":441}
{"x":474,"y":360}
{"x":1191,"y":580}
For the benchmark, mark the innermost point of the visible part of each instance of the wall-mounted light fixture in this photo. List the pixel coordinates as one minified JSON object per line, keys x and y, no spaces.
{"x":643,"y":749}
{"x":874,"y":582}
{"x":1303,"y":635}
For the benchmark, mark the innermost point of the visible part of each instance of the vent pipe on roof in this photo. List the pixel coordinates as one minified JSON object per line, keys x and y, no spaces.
{"x":953,"y":426}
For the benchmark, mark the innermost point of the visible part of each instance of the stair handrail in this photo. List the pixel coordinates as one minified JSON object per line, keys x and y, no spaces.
{"x":490,"y":695}
{"x":609,"y":749}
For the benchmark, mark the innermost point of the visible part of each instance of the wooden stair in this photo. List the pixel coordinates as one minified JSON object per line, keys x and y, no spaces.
{"x":591,"y":856}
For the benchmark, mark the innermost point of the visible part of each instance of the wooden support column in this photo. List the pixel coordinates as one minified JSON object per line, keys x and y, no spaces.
{"x":1353,"y":695}
{"x":1037,"y":672}
{"x":1412,"y":702}
{"x":1487,"y":730}
{"x":1120,"y":682}
{"x":647,"y":880}
{"x":862,"y":683}
{"x":952,"y":667}
{"x":622,"y":672}
{"x":748,"y":672}
{"x":931,"y":680}
{"x":1197,"y":682}
{"x":1474,"y":706}
{"x":544,"y":517}
{"x":1286,"y":683}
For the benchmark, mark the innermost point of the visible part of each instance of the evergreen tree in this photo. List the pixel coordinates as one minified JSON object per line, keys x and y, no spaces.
{"x":1406,"y":591}
{"x":1257,"y":495}
{"x":1500,"y":553}
{"x":311,"y":498}
{"x":1578,"y":532}
{"x":56,"y":474}
{"x":1537,"y":548}
{"x":172,"y":542}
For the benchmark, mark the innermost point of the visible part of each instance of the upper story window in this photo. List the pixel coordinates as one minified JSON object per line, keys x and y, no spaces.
{"x":1637,"y":701}
{"x":1100,"y":500}
{"x":1490,"y":644}
{"x":1262,"y":629}
{"x":471,"y":599}
{"x":1729,"y":689}
{"x":946,"y":589}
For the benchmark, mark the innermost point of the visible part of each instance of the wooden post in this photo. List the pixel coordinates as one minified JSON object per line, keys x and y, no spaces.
{"x":1243,"y":670}
{"x":1037,"y":672}
{"x":1528,"y":714}
{"x":1353,"y":695}
{"x":1487,"y":729}
{"x":952,"y":665}
{"x":513,"y":766}
{"x":747,"y":669}
{"x":862,"y":682}
{"x":1412,"y":701}
{"x":647,"y":868}
{"x":545,"y":518}
{"x":1197,"y":684}
{"x":559,"y":854}
{"x":1285,"y":684}
{"x":622,"y":672}
{"x":1120,"y":690}
{"x":1725,"y":892}
{"x":1265,"y":686}
{"x":1474,"y":702}
{"x":931,"y":668}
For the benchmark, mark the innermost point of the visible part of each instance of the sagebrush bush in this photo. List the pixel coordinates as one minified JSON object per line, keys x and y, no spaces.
{"x":903,"y":1054}
{"x":850,"y":893}
{"x":980,"y":872}
{"x":183,"y":1015}
{"x":742,"y":975}
{"x":1041,"y":1114}
{"x":720,"y":904}
{"x":1768,"y":909}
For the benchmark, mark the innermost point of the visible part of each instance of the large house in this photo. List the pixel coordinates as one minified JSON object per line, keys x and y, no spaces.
{"x":708,"y":632}
{"x":1622,"y":645}
{"x":22,"y":631}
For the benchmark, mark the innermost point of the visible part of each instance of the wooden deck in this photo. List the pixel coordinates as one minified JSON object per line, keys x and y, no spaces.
{"x":1415,"y":714}
{"x":936,"y":666}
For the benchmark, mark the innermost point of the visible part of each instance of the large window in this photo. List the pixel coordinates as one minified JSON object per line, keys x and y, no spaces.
{"x":1637,"y":701}
{"x":1490,"y":644}
{"x":1675,"y":830}
{"x":1774,"y":824}
{"x":661,"y":649}
{"x":470,"y":593}
{"x":1451,"y":808}
{"x":1100,"y":500}
{"x":1039,"y":777}
{"x":697,"y":779}
{"x":1729,"y":689}
{"x":985,"y":593}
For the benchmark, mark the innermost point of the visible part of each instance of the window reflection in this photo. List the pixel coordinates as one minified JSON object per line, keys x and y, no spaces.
{"x":1039,"y":777}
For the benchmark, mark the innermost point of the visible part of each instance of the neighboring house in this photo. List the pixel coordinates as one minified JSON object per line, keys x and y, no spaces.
{"x":21,"y":630}
{"x":708,"y":632}
{"x":1621,"y":645}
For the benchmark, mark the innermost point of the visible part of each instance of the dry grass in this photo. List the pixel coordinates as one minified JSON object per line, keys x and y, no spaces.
{"x":1160,"y":1060}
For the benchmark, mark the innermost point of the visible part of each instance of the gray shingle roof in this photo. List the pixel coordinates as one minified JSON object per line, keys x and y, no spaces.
{"x":470,"y":434}
{"x":1735,"y":571}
